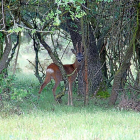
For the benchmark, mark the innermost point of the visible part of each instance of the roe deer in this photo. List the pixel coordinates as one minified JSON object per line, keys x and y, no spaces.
{"x":53,"y":72}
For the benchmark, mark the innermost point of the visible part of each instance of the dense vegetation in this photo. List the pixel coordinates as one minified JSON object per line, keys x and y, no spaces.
{"x":35,"y":33}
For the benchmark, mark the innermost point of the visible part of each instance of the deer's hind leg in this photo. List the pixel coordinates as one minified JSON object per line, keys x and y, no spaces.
{"x":46,"y":81}
{"x":55,"y":87}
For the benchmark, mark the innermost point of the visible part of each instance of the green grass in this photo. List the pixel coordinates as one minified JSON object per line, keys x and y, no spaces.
{"x":71,"y":123}
{"x":29,"y":119}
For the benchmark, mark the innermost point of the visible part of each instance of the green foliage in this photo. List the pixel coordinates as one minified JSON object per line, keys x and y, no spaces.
{"x":33,"y":31}
{"x":56,"y":21}
{"x":65,"y":2}
{"x":50,"y":15}
{"x":1,"y":37}
{"x":16,"y":30}
{"x":104,"y":0}
{"x":103,"y":94}
{"x":5,"y":84}
{"x":11,"y":93}
{"x":77,"y":13}
{"x":19,"y":94}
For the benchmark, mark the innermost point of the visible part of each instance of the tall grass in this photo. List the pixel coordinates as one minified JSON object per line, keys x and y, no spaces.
{"x":44,"y":119}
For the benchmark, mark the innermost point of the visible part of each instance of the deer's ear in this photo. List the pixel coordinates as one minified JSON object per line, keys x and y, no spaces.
{"x":73,"y":51}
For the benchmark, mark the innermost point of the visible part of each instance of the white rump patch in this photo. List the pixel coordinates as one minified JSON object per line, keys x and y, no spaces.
{"x":50,"y":70}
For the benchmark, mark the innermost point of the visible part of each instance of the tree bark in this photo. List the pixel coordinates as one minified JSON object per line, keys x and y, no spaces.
{"x":85,"y":42}
{"x":74,"y":28}
{"x":93,"y":60}
{"x":94,"y":65}
{"x":36,"y":49}
{"x":1,"y":45}
{"x":15,"y":65}
{"x":5,"y":55}
{"x":119,"y":75}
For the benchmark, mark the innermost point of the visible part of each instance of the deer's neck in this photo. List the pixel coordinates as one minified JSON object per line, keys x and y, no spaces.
{"x":76,"y":65}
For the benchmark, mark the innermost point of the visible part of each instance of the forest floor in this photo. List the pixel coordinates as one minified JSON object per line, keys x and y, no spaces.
{"x":23,"y":117}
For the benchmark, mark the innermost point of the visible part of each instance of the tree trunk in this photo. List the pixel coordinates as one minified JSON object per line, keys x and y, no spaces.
{"x":94,"y":65}
{"x":1,"y":45}
{"x":85,"y":42}
{"x":74,"y":28}
{"x":103,"y":53}
{"x":36,"y":49}
{"x":138,"y":69}
{"x":14,"y":70}
{"x":5,"y":55}
{"x":118,"y":78}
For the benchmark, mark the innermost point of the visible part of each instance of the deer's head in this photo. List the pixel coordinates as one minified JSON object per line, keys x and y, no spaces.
{"x":78,"y":53}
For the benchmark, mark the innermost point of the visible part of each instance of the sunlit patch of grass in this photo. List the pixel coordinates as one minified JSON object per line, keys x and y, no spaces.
{"x":72,"y":123}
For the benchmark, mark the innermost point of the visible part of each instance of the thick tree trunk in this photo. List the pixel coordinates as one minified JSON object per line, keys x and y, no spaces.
{"x":5,"y":55}
{"x":74,"y":28}
{"x":118,"y":83}
{"x":94,"y":65}
{"x":119,"y":76}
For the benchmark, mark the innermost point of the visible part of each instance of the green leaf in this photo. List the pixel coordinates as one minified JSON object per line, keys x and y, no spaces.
{"x":33,"y":31}
{"x":57,"y":21}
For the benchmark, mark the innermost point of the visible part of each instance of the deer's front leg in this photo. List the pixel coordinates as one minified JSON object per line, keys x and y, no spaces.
{"x":70,"y":94}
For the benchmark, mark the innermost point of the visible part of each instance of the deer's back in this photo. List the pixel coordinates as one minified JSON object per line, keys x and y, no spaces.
{"x":70,"y":70}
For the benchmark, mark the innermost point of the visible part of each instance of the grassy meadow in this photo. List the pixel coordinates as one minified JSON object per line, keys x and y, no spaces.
{"x":25,"y":118}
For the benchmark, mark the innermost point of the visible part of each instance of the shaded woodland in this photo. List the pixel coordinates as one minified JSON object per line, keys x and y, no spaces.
{"x":108,"y":30}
